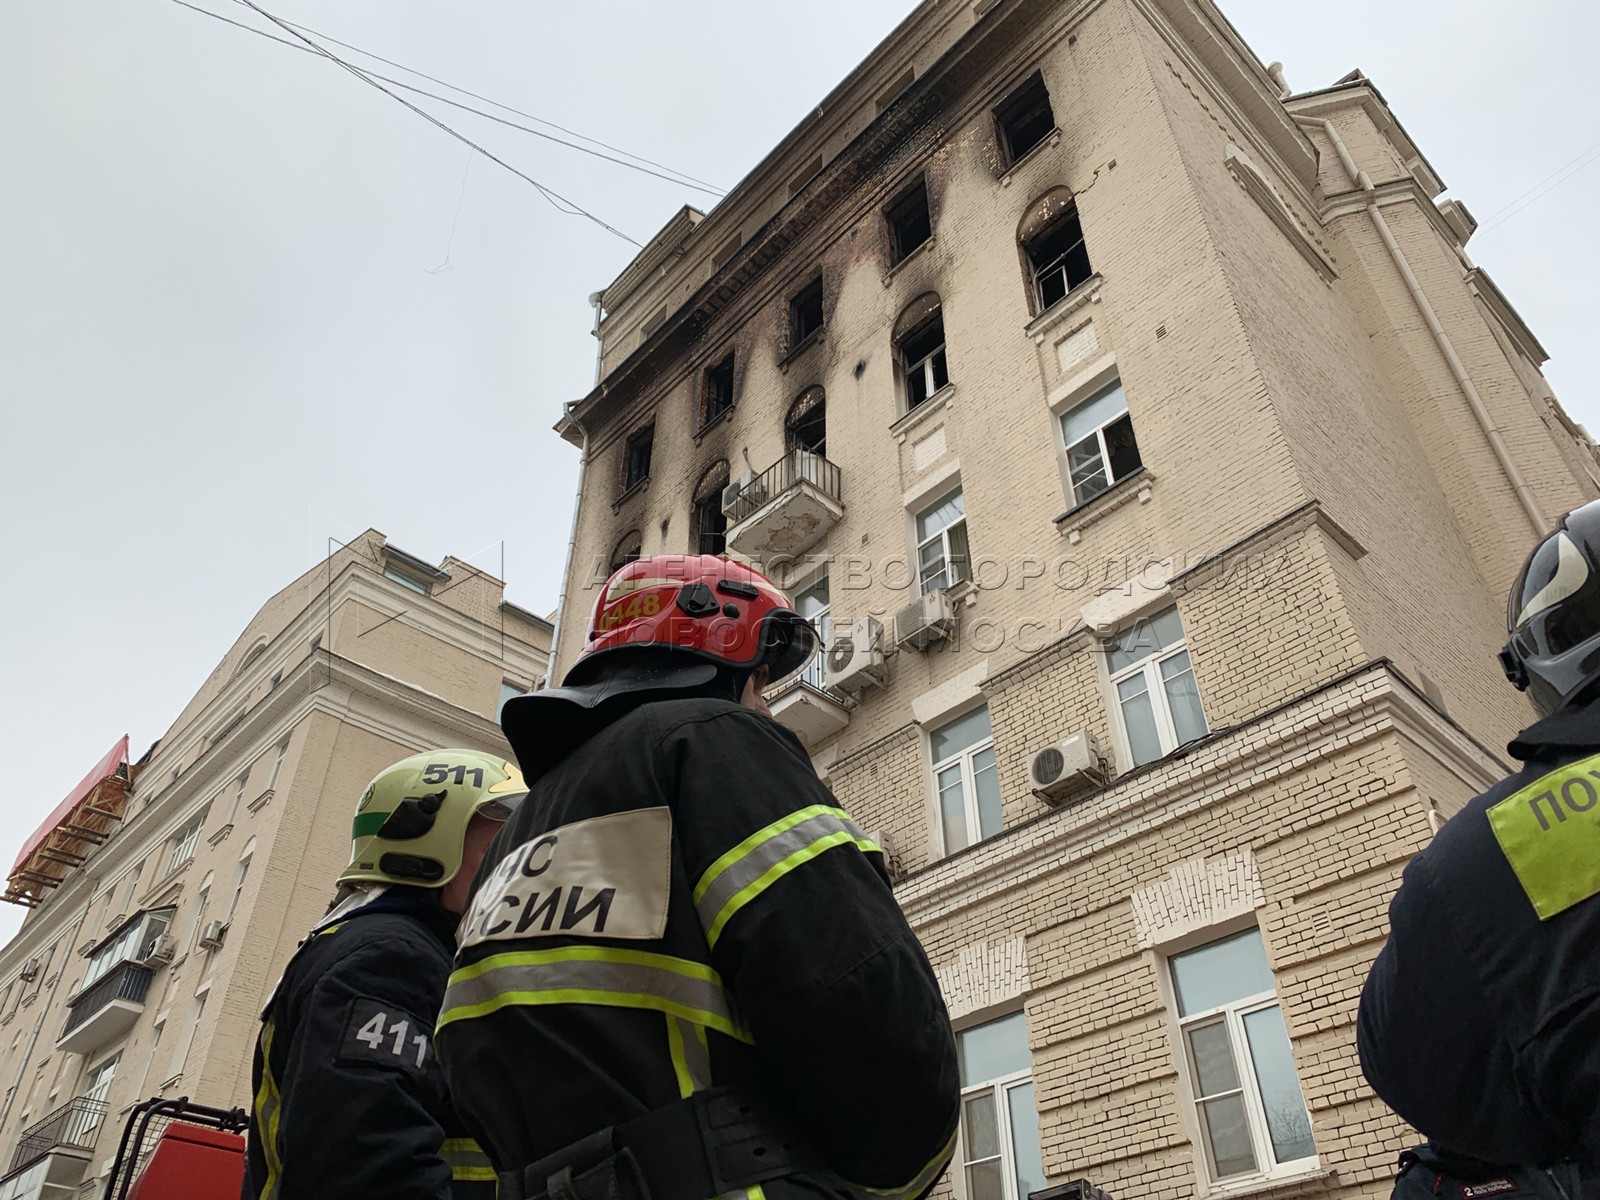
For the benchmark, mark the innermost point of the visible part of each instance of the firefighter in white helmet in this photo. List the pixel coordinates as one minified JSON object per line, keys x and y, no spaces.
{"x":350,"y":1103}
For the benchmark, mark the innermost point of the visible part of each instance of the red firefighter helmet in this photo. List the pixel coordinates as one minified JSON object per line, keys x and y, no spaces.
{"x":711,"y":607}
{"x":690,"y":616}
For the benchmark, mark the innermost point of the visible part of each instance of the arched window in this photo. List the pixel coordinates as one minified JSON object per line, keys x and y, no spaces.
{"x":806,"y":426}
{"x":250,"y":655}
{"x":627,"y":549}
{"x":709,"y":527}
{"x":1051,"y":237}
{"x":919,"y":347}
{"x":240,"y":876}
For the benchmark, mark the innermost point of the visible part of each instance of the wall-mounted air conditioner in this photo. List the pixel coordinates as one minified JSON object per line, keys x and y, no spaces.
{"x":891,"y":853}
{"x":855,"y":659}
{"x":1070,"y":765}
{"x":742,"y":497}
{"x":211,"y":937}
{"x":929,"y":618}
{"x":162,"y":951}
{"x":30,"y":971}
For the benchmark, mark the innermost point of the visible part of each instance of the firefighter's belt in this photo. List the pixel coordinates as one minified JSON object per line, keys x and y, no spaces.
{"x":715,"y":1142}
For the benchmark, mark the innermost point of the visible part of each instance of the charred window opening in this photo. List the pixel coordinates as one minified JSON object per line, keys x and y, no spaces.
{"x":923,"y":366}
{"x":709,"y":524}
{"x":805,"y":312}
{"x":909,"y":222}
{"x":1058,"y":258}
{"x":636,"y":457}
{"x":717,"y":391}
{"x":807,"y":422}
{"x":628,"y":549}
{"x":1024,"y":118}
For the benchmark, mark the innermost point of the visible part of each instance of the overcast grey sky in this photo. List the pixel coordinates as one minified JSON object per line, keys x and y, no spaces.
{"x":248,"y":303}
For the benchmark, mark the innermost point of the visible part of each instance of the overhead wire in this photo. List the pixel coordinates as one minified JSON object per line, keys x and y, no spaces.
{"x":555,"y":199}
{"x":672,"y":176}
{"x":705,"y":186}
{"x":1543,"y":188}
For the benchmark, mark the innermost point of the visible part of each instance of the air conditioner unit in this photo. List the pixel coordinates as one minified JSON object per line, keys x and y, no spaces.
{"x":891,"y":853}
{"x":743,"y":496}
{"x":855,"y":658}
{"x":30,"y":971}
{"x":1073,"y":763}
{"x":162,"y":951}
{"x":929,"y":618}
{"x":212,"y":935}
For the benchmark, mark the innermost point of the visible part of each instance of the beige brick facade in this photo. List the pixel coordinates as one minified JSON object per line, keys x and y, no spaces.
{"x":340,"y":674}
{"x":1320,"y":498}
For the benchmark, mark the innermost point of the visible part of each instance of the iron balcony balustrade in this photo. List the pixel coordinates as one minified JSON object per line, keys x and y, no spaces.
{"x":73,"y":1126}
{"x":786,"y":509}
{"x":105,"y":1011}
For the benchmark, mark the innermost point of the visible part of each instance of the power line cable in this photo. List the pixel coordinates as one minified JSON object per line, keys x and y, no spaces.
{"x":555,"y":199}
{"x":677,"y":177}
{"x":710,"y":187}
{"x":1543,"y":188}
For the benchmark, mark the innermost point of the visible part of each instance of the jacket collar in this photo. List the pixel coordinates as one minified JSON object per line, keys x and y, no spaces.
{"x":1576,"y":728}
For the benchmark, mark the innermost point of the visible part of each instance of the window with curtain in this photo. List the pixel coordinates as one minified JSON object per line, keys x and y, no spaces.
{"x":999,"y":1149}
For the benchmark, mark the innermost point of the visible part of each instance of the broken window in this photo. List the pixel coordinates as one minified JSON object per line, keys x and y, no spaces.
{"x":718,"y":391}
{"x":627,"y":550}
{"x":636,"y":457}
{"x":1024,"y":118}
{"x":805,"y":312}
{"x":807,"y":422}
{"x":1058,"y":259}
{"x":923,"y":366}
{"x":909,"y":223}
{"x":710,"y":525}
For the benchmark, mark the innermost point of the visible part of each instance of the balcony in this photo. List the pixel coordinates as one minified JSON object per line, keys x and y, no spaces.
{"x":785,"y":510}
{"x":805,"y":706}
{"x":105,"y":1011}
{"x":52,"y":1153}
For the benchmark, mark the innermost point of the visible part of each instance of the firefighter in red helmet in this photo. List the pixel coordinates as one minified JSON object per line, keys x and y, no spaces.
{"x":682,"y":973}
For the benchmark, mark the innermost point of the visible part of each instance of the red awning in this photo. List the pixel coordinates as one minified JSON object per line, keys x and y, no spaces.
{"x":106,"y":767}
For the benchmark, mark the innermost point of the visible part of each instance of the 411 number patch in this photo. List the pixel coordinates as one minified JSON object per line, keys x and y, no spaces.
{"x":386,"y":1036}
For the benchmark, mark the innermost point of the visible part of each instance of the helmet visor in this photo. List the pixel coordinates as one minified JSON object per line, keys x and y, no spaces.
{"x":1546,"y":613}
{"x":500,"y":808}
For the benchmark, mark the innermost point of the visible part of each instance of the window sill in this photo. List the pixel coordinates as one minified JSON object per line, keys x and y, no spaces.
{"x":934,"y":403}
{"x":1260,"y":1185}
{"x":713,"y":423}
{"x":262,"y":800}
{"x":166,"y":879}
{"x":1087,"y":292}
{"x":1053,"y":138}
{"x":888,"y":276}
{"x":810,"y":340}
{"x":1074,"y":521}
{"x":221,"y":835}
{"x":642,"y":486}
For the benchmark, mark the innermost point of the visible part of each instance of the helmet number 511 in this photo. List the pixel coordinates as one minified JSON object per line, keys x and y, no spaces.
{"x":440,"y":773}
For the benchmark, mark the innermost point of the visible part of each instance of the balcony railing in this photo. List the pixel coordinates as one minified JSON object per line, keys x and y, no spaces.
{"x":786,"y":509}
{"x":73,"y":1126}
{"x":128,"y":982}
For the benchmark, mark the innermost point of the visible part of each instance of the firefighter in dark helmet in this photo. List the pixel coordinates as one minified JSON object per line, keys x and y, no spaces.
{"x":350,"y":1103}
{"x":1480,"y":1021}
{"x":683,"y":973}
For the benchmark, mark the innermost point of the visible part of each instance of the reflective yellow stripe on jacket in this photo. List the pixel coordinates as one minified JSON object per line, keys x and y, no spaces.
{"x":923,"y":1178}
{"x":592,"y":975}
{"x":268,"y":1106}
{"x":766,"y":856}
{"x":467,"y":1161}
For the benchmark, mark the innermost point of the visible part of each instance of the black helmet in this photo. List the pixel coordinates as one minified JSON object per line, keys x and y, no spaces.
{"x":1553,"y":614}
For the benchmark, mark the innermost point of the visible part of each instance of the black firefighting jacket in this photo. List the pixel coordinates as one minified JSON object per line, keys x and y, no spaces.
{"x":1480,"y":1020}
{"x":350,"y":1103}
{"x":680,"y":904}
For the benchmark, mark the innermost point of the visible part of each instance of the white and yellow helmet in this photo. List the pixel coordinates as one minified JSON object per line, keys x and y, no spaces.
{"x":412,"y":820}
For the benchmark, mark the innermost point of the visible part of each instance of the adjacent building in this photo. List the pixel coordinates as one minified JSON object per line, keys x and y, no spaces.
{"x":167,"y":892}
{"x":1156,"y":460}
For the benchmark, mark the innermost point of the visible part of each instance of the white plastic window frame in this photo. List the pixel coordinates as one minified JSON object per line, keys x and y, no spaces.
{"x":1236,"y":1010}
{"x":1098,"y":433}
{"x":943,"y":538}
{"x":183,"y":843}
{"x":969,"y":784}
{"x":1150,"y":665}
{"x":816,"y":672}
{"x":999,"y":1087}
{"x":245,"y":858}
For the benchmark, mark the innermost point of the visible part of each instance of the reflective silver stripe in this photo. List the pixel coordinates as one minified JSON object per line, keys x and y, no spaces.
{"x":592,"y":975}
{"x":691,"y":1056}
{"x":766,"y":854}
{"x":466,"y":1159}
